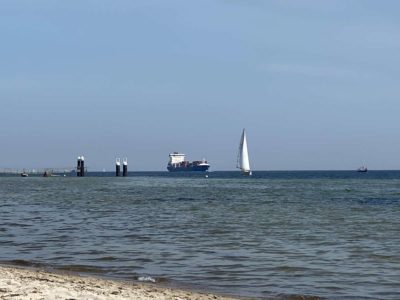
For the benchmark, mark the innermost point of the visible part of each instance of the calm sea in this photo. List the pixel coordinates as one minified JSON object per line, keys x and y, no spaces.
{"x":334,"y":235}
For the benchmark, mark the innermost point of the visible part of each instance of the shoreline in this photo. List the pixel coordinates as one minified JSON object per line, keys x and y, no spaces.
{"x":31,"y":283}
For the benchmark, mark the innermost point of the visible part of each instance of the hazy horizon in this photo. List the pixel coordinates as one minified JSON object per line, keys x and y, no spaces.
{"x":315,"y":83}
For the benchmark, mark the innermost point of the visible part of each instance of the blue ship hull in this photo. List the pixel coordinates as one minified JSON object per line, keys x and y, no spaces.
{"x":188,"y":168}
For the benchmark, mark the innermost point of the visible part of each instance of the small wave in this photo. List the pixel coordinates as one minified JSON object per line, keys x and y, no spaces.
{"x":12,"y":224}
{"x":144,"y":260}
{"x":146,"y":279}
{"x":290,"y":269}
{"x":151,"y":279}
{"x":216,"y":231}
{"x":108,"y":258}
{"x":22,"y":263}
{"x":300,"y":297}
{"x":81,"y":269}
{"x":185,"y":199}
{"x":137,"y":237}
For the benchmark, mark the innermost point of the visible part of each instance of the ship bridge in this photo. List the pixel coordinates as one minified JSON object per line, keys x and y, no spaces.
{"x":176,"y":158}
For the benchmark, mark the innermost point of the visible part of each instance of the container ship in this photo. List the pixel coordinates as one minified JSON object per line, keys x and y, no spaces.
{"x":177,"y":163}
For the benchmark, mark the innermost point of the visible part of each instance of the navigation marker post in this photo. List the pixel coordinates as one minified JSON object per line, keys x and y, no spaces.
{"x":117,"y":167}
{"x":78,"y":167}
{"x":125,"y":167}
{"x":82,"y":171}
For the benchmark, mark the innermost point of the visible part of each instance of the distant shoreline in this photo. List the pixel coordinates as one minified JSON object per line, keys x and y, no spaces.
{"x":15,"y":172}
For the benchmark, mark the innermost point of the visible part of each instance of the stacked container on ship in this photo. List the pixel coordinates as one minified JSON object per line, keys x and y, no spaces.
{"x":177,"y":163}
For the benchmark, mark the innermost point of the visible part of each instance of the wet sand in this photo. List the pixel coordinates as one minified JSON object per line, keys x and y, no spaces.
{"x":18,"y":283}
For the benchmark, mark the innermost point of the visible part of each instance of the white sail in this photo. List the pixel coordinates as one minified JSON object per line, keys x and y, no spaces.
{"x":243,"y":162}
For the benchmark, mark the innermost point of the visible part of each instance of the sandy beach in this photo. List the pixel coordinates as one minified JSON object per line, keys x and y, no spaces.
{"x":18,"y":283}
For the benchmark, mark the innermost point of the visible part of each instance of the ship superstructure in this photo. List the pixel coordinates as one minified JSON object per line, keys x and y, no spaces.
{"x":178,"y":163}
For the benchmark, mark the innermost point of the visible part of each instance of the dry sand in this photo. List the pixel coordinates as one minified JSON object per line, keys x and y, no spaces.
{"x":17,"y":283}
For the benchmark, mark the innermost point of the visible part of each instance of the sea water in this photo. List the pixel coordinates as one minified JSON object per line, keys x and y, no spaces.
{"x":275,"y":234}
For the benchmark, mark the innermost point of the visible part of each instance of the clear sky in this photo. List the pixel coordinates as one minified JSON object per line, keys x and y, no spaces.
{"x":315,"y":83}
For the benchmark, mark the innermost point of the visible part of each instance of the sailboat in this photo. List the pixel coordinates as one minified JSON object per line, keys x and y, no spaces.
{"x":243,"y":162}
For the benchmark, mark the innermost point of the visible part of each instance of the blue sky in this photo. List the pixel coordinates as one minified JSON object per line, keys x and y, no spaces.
{"x":315,"y":83}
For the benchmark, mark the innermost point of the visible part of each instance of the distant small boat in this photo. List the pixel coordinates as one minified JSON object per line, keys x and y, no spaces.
{"x":362,"y":169}
{"x":23,"y":174}
{"x":243,"y":162}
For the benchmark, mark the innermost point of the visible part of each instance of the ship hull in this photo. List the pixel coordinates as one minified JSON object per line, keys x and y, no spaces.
{"x":247,"y":173}
{"x":188,"y":168}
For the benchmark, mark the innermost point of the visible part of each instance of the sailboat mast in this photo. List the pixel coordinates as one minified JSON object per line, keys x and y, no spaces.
{"x":239,"y":156}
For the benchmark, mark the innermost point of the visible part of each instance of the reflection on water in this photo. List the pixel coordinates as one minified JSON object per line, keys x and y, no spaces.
{"x":319,"y":234}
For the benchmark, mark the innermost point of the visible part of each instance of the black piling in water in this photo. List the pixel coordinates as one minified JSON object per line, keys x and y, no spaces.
{"x":125,"y":167}
{"x":117,"y":167}
{"x":82,"y":166}
{"x":78,"y":167}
